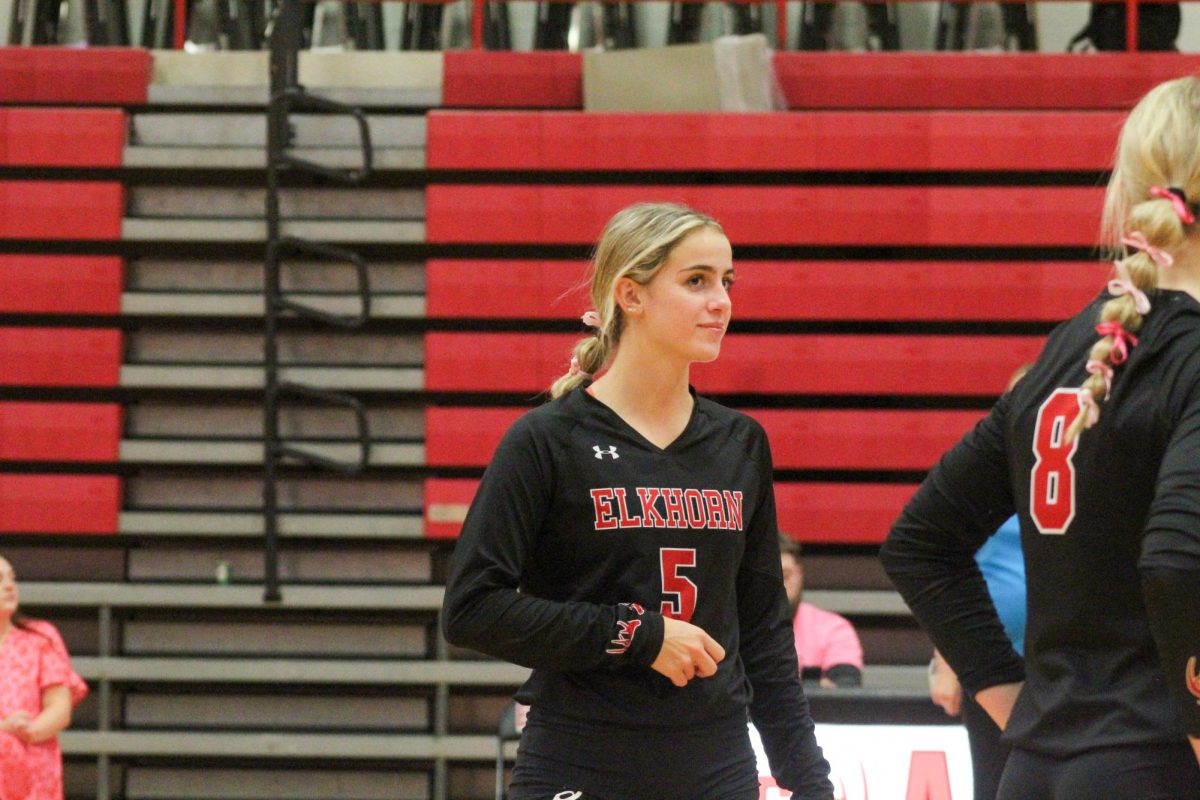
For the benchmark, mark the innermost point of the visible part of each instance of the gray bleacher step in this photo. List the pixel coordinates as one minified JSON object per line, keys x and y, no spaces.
{"x":338,"y":204}
{"x":190,"y":376}
{"x":389,"y":159}
{"x":198,"y":451}
{"x":280,"y":745}
{"x":250,"y":524}
{"x":275,"y":782}
{"x":250,"y":230}
{"x":397,"y":672}
{"x":866,"y":603}
{"x":389,"y":280}
{"x":216,"y":596}
{"x":256,"y":96}
{"x":897,"y":677}
{"x":249,"y":131}
{"x":250,"y":305}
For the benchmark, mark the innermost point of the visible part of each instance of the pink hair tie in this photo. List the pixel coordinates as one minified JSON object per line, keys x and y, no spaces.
{"x":592,"y":320}
{"x":1178,"y":199}
{"x":1137,"y":240}
{"x":1122,"y":340}
{"x":577,"y":370}
{"x":1104,"y":370}
{"x":1093,"y":410}
{"x":1123,"y":285}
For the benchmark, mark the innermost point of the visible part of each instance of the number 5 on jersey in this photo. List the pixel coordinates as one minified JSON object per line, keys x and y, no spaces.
{"x":678,"y":588}
{"x":1052,"y":481}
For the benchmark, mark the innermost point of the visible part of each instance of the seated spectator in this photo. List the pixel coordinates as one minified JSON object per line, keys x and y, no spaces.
{"x":827,"y":645}
{"x":38,"y":690}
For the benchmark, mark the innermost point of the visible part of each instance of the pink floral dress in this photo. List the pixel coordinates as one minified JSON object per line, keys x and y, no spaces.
{"x":30,"y":662}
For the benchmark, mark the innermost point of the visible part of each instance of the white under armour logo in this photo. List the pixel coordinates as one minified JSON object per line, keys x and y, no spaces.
{"x":600,"y":454}
{"x":568,"y":795}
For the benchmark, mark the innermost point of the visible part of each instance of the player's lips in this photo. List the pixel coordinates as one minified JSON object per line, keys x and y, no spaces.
{"x":714,"y":326}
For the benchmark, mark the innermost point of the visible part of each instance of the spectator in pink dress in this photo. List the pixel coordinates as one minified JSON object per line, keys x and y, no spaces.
{"x":827,"y":645}
{"x":38,"y":690}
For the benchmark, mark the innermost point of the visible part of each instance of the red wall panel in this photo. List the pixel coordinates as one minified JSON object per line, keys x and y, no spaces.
{"x":83,"y":432}
{"x":61,"y":210}
{"x":491,"y":79}
{"x":36,"y":284}
{"x":100,"y":75}
{"x":61,"y":137}
{"x":59,"y":503}
{"x":60,"y":357}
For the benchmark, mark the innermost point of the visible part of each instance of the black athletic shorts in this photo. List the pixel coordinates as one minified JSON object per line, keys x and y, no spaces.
{"x":562,"y":759}
{"x":1146,"y":772}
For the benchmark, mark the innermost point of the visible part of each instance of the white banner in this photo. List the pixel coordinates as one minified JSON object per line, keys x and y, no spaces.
{"x":887,"y":762}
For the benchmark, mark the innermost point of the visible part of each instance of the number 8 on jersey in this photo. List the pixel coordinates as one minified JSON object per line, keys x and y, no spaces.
{"x":1052,"y":481}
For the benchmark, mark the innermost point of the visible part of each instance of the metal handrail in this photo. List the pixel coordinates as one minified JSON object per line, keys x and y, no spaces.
{"x":292,"y":244}
{"x":295,"y":98}
{"x":363,"y":437}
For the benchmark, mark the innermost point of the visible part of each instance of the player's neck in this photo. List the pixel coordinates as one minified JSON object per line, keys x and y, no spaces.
{"x":1184,"y":275}
{"x":652,"y":399}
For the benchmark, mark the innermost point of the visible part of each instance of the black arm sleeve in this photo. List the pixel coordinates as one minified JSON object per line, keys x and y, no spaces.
{"x":930,"y":555}
{"x":1170,"y":561}
{"x":484,"y":608}
{"x":778,"y":708}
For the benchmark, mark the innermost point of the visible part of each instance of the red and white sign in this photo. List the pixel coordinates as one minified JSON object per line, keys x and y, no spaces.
{"x":886,"y":762}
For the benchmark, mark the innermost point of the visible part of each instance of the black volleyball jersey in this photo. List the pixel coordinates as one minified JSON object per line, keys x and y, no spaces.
{"x":1099,"y":517}
{"x":583,"y":534}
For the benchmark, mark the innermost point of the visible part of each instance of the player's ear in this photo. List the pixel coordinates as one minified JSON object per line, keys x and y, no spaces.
{"x":628,"y":294}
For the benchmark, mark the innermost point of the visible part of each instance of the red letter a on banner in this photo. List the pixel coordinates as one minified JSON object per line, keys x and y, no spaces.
{"x":928,"y":776}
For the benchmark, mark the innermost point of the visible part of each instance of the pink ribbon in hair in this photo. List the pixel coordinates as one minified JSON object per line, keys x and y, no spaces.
{"x":577,"y":370}
{"x":1137,"y":240}
{"x":1123,"y":284}
{"x":1104,"y":370}
{"x":592,"y":320}
{"x":1093,"y":410}
{"x":1122,"y":340}
{"x":1178,"y":200}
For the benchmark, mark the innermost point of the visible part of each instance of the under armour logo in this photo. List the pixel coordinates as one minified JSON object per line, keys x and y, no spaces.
{"x":600,"y":454}
{"x":568,"y":795}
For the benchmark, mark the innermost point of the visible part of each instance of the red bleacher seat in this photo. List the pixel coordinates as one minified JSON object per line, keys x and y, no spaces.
{"x":59,"y":503}
{"x":777,"y":215}
{"x":800,"y":439}
{"x":491,"y":79}
{"x":37,"y":284}
{"x":808,"y":290}
{"x":61,"y":137}
{"x":899,"y":141}
{"x":842,"y":513}
{"x":766,"y":364}
{"x":60,"y":357}
{"x":93,"y":75}
{"x":61,"y":210}
{"x":67,"y":432}
{"x":974,"y":80}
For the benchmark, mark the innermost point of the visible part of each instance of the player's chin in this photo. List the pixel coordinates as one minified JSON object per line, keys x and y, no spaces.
{"x":707,"y":353}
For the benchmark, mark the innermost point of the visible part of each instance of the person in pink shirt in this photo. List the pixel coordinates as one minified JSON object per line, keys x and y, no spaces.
{"x":38,"y":690}
{"x":827,"y":645}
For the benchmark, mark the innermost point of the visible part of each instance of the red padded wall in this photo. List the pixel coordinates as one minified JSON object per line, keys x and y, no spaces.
{"x":490,"y":79}
{"x":59,"y":357}
{"x":85,"y":432}
{"x":853,"y":140}
{"x":61,"y":137}
{"x":59,"y":503}
{"x":779,"y":215}
{"x":785,"y":290}
{"x":36,"y":284}
{"x":765,"y":364}
{"x":61,"y":210}
{"x":93,"y":75}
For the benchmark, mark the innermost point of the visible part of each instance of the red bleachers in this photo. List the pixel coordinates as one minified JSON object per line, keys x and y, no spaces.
{"x":37,"y":284}
{"x":974,"y":80}
{"x":573,"y":141}
{"x":489,"y":79}
{"x":61,"y":210}
{"x":67,"y":432}
{"x":61,"y":137}
{"x":59,"y":357}
{"x":800,"y":439}
{"x":766,"y":364}
{"x":777,"y":215}
{"x":778,"y":290}
{"x":810,"y":512}
{"x":94,"y":75}
{"x":1109,"y":81}
{"x":59,"y":503}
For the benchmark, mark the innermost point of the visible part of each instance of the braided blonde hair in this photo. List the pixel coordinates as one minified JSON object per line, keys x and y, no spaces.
{"x":635,"y":244}
{"x":1159,"y":147}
